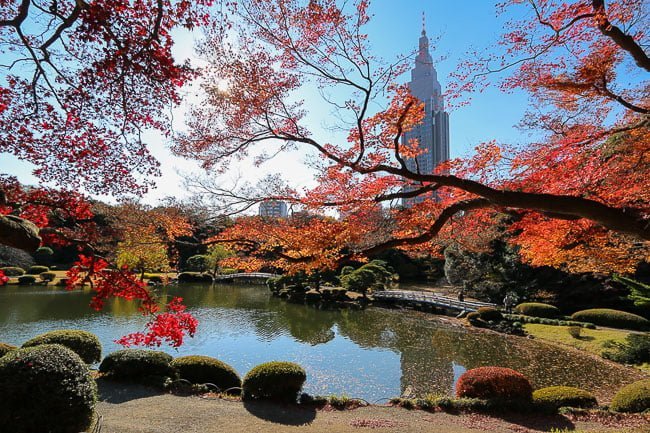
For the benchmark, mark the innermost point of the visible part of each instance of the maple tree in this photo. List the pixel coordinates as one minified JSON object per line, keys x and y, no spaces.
{"x":81,"y":80}
{"x":578,"y":196}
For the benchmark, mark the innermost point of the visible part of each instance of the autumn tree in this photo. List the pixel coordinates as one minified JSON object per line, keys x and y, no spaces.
{"x":578,"y":196}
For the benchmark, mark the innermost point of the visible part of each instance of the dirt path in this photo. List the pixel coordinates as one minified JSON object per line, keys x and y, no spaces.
{"x":133,"y":409}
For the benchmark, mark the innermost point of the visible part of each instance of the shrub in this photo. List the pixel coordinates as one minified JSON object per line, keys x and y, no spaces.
{"x":575,"y":331}
{"x":494,"y":383}
{"x":6,"y":348}
{"x":137,"y":365}
{"x":204,"y":369}
{"x":538,"y":309}
{"x":46,"y":389}
{"x":47,"y":276}
{"x":613,"y":318}
{"x":155,"y":279}
{"x":274,"y":380}
{"x":632,"y":398}
{"x":197,"y":263}
{"x":473,"y":317}
{"x":194,"y":277}
{"x":83,"y":343}
{"x":13,"y":271}
{"x":35,"y":270}
{"x":490,"y":313}
{"x":555,"y":397}
{"x":43,"y":255}
{"x":635,"y":349}
{"x":26,"y":280}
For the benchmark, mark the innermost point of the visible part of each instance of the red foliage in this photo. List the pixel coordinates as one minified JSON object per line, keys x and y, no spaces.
{"x":3,"y":278}
{"x":494,"y":382}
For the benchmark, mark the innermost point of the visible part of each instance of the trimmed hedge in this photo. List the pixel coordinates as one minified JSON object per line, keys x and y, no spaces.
{"x":554,"y":397}
{"x":204,"y":369}
{"x":490,"y":313}
{"x":13,"y":271}
{"x":612,"y":318}
{"x":46,"y":389}
{"x":542,"y":321}
{"x":83,"y":343}
{"x":47,"y":276}
{"x":275,"y":380}
{"x":137,"y":365}
{"x":634,"y":397}
{"x":494,"y":383}
{"x":538,"y":309}
{"x":6,"y":348}
{"x":26,"y":280}
{"x":35,"y":270}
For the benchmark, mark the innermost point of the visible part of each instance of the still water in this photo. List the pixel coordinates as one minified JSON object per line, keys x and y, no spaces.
{"x":371,"y":354}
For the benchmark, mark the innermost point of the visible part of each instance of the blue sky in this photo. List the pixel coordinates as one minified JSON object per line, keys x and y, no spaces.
{"x":394,"y":29}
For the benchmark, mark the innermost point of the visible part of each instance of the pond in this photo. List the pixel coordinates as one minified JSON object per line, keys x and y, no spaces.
{"x":372,"y":354}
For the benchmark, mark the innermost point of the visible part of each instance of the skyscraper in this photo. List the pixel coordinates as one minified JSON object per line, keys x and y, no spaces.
{"x":433,"y":132}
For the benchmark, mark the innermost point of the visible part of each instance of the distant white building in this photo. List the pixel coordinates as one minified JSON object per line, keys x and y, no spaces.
{"x":433,"y":132}
{"x":273,"y":209}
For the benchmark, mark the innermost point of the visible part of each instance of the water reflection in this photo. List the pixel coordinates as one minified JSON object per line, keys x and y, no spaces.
{"x":371,"y":354}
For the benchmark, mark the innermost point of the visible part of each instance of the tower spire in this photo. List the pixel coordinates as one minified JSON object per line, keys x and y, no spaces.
{"x":424,"y":24}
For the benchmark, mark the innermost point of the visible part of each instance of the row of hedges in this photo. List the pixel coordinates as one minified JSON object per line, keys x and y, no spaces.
{"x":14,"y":271}
{"x":509,"y":387}
{"x":542,"y":321}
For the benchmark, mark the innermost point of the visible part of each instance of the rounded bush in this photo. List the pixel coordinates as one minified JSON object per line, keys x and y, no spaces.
{"x":26,"y":280}
{"x":46,"y":388}
{"x":83,"y":343}
{"x":634,"y":397}
{"x":6,"y":348}
{"x":494,"y":383}
{"x":137,"y":365}
{"x":555,"y":397}
{"x":35,"y":270}
{"x":274,"y":380}
{"x":612,"y":318}
{"x":204,"y":369}
{"x":538,"y":309}
{"x":490,"y":313}
{"x":13,"y":271}
{"x":473,"y":316}
{"x":47,"y":276}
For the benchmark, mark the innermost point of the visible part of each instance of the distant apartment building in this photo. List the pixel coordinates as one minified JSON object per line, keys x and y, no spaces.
{"x":273,"y":209}
{"x":433,"y":133}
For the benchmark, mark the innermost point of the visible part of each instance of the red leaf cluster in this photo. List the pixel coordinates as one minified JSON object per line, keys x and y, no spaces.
{"x":494,"y":382}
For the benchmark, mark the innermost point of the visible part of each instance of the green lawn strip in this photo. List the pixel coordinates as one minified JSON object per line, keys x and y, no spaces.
{"x":591,"y":340}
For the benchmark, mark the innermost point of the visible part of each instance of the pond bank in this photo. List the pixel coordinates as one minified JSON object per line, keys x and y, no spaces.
{"x":135,"y":409}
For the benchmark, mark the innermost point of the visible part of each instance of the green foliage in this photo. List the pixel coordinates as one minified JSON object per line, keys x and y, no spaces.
{"x":575,"y":331}
{"x":494,"y":383}
{"x":346,"y":270}
{"x":44,"y":251}
{"x":274,"y":380}
{"x":6,"y":348}
{"x":490,"y":313}
{"x":35,"y":270}
{"x":371,"y":275}
{"x":47,"y":276}
{"x":43,"y":255}
{"x":194,"y":277}
{"x":13,"y":271}
{"x":612,"y":318}
{"x":639,"y":292}
{"x":632,"y":398}
{"x":137,"y":365}
{"x":204,"y":369}
{"x":26,"y":280}
{"x":555,"y":397}
{"x":635,"y":349}
{"x":197,"y":263}
{"x":83,"y":343}
{"x":554,"y":322}
{"x":538,"y":309}
{"x":46,"y":389}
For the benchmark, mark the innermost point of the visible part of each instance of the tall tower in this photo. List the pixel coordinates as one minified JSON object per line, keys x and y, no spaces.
{"x":433,"y":132}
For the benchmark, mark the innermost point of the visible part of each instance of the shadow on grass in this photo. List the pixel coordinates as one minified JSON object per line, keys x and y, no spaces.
{"x":281,"y":413}
{"x":116,"y":392}
{"x":536,"y":421}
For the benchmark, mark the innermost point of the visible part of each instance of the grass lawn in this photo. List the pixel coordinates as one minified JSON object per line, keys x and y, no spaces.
{"x":591,"y":340}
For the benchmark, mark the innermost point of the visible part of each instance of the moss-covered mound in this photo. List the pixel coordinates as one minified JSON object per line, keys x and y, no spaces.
{"x":555,"y":397}
{"x":204,"y":369}
{"x":612,"y":318}
{"x":538,"y":309}
{"x":83,"y":343}
{"x":137,"y":365}
{"x":494,"y":383}
{"x":45,"y":388}
{"x":634,"y":397}
{"x":274,"y":380}
{"x":6,"y":348}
